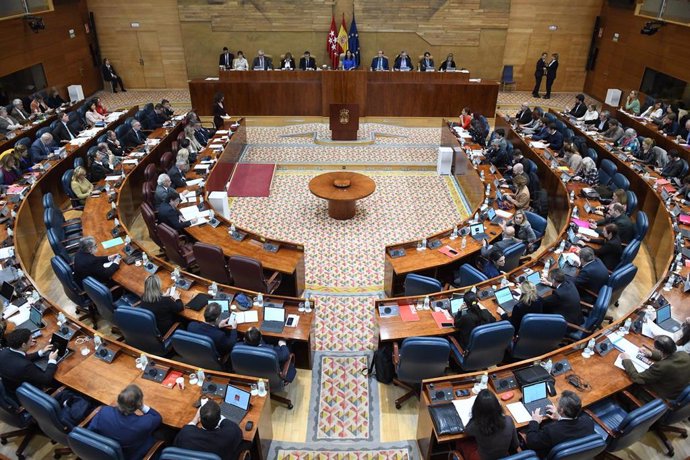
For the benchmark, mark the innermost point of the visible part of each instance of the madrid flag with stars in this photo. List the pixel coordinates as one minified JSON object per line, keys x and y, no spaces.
{"x":332,"y":44}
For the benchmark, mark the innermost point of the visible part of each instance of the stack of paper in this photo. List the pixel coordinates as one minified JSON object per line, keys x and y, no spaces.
{"x":464,"y":408}
{"x":249,"y":316}
{"x":519,"y":412}
{"x":192,"y":212}
{"x":191,"y":183}
{"x":537,"y":145}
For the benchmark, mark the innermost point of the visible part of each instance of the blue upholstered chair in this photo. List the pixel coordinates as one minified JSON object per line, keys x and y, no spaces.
{"x":58,"y":248}
{"x":592,"y":154}
{"x":512,"y":255}
{"x":89,"y":445}
{"x":13,"y":415}
{"x":537,"y":222}
{"x":25,"y":141}
{"x":468,"y":275}
{"x":263,"y":362}
{"x":620,"y":279}
{"x":678,"y":412}
{"x":417,"y":359}
{"x":66,"y":182}
{"x":619,"y":181}
{"x":607,"y":169}
{"x":487,"y":347}
{"x":631,"y":205}
{"x":102,"y":298}
{"x":122,"y":130}
{"x":532,"y":166}
{"x":49,"y":202}
{"x":45,"y":410}
{"x":197,"y":350}
{"x":419,"y":285}
{"x":138,"y":327}
{"x":65,"y":275}
{"x":175,"y":453}
{"x":53,"y":218}
{"x":522,"y":455}
{"x":538,"y":334}
{"x":641,"y":225}
{"x":585,"y":448}
{"x":42,"y":131}
{"x":507,"y":78}
{"x":620,"y":428}
{"x":684,"y":171}
{"x":79,"y":161}
{"x":629,"y":253}
{"x":594,"y":318}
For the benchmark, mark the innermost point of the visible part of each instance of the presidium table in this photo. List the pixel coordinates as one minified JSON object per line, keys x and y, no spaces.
{"x":342,"y":189}
{"x":378,"y":94}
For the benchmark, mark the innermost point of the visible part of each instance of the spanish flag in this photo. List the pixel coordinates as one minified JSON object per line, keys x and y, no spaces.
{"x":342,"y":37}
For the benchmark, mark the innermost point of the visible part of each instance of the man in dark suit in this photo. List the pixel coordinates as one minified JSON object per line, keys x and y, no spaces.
{"x":555,"y":138}
{"x":100,"y":168}
{"x":448,"y":63}
{"x":262,"y":62}
{"x":167,"y":108}
{"x":7,"y":123}
{"x":217,"y":435}
{"x":426,"y":63}
{"x":551,"y":69}
{"x":134,"y":136}
{"x":617,"y":215}
{"x":87,"y":263}
{"x":156,"y":118}
{"x":177,"y":172}
{"x":17,"y":367}
{"x":215,"y":329}
{"x":539,"y":72}
{"x":307,"y":62}
{"x":579,"y":108}
{"x":380,"y":62}
{"x":566,"y":424}
{"x":226,"y":58}
{"x":592,"y":276}
{"x":524,"y":115}
{"x":114,"y":144}
{"x":201,"y":134}
{"x":110,"y":75}
{"x":602,"y":124}
{"x":403,"y":62}
{"x":564,"y":298}
{"x":675,"y":166}
{"x":62,"y":132}
{"x":163,"y":189}
{"x":169,"y":214}
{"x":19,"y":113}
{"x":42,"y":148}
{"x":668,"y":375}
{"x":253,"y":338}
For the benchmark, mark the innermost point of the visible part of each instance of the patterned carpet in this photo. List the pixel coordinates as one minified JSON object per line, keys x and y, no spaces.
{"x":390,"y":451}
{"x":345,"y":322}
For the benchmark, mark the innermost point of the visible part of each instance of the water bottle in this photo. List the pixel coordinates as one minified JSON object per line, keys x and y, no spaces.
{"x":260,"y":300}
{"x":427,"y":302}
{"x":200,"y":377}
{"x":232,"y":229}
{"x":548,"y":365}
{"x":34,"y":296}
{"x":572,"y":196}
{"x":61,"y":319}
{"x":261,"y":386}
{"x":504,"y":282}
{"x":128,"y":240}
{"x":307,"y":305}
{"x":175,"y":275}
{"x":484,"y":382}
{"x":576,"y":212}
{"x":116,"y":222}
{"x":464,"y":242}
{"x":145,"y":259}
{"x":454,"y":233}
{"x":626,"y":326}
{"x":213,"y":289}
{"x":481,"y":175}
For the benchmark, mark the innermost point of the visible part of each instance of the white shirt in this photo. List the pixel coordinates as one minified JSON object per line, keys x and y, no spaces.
{"x":651,"y":113}
{"x":589,"y":115}
{"x":240,"y":64}
{"x":40,"y":353}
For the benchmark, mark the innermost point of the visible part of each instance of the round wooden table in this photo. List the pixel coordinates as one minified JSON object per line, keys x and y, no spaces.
{"x":342,"y":189}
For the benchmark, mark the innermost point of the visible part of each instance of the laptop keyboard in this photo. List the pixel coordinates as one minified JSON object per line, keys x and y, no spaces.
{"x":231,"y":412}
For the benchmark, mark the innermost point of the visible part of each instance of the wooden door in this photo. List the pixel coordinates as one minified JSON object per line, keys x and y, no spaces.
{"x":150,"y":59}
{"x":127,"y":62}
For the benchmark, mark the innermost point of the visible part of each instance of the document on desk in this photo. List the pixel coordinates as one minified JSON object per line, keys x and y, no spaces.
{"x":464,"y":408}
{"x":537,"y":145}
{"x":249,"y":316}
{"x":588,"y":232}
{"x":625,"y":346}
{"x":191,"y":183}
{"x":113,"y":178}
{"x":6,"y":252}
{"x":519,"y":412}
{"x":114,"y":242}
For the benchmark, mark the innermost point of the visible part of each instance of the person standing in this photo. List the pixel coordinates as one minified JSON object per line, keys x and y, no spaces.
{"x":225,"y":59}
{"x":551,"y":69}
{"x":539,"y":73}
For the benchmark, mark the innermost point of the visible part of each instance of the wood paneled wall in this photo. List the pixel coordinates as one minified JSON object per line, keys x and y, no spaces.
{"x":621,"y":64}
{"x":157,"y":41}
{"x":66,"y":60}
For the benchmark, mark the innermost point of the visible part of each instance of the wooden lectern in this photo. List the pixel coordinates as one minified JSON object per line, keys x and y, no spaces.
{"x":344,"y":122}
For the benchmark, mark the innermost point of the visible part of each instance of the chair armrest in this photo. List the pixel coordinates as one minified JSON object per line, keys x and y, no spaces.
{"x":581,"y":329}
{"x":652,"y":394}
{"x":286,"y":366}
{"x":593,"y":294}
{"x":273,"y":277}
{"x":171,"y":330}
{"x":57,"y":390}
{"x":152,"y":451}
{"x":632,"y":398}
{"x":115,"y":288}
{"x":454,"y":342}
{"x":396,"y":354}
{"x":89,"y":417}
{"x":455,"y":455}
{"x":137,"y":303}
{"x":600,"y":423}
{"x":586,"y":305}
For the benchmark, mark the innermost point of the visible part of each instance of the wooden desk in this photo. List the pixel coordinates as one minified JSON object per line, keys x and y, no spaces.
{"x":380,"y":94}
{"x":647,"y":129}
{"x":342,"y":189}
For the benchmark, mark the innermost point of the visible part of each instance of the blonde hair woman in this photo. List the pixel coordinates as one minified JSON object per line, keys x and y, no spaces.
{"x":521,"y":198}
{"x":164,"y":307}
{"x":80,"y":184}
{"x":529,"y":302}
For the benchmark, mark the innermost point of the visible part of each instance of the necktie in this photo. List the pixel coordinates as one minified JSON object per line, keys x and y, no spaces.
{"x":380,"y":63}
{"x":261,"y":62}
{"x":21,"y":114}
{"x":71,"y":136}
{"x":227,"y":60}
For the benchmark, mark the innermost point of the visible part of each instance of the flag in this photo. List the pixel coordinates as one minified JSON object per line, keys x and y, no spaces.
{"x":342,"y":37}
{"x":353,"y":43}
{"x":332,"y":45}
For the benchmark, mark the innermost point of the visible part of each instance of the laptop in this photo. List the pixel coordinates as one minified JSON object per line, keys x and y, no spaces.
{"x":664,"y":319}
{"x":492,"y":216}
{"x":224,"y":307}
{"x":477,"y":232}
{"x":588,"y":207}
{"x":535,"y":278}
{"x":505,"y":299}
{"x":35,"y":321}
{"x":566,"y":267}
{"x":535,"y":397}
{"x":685,"y":233}
{"x":236,"y":404}
{"x":572,"y":237}
{"x":274,"y":320}
{"x":456,"y":305}
{"x":499,"y":195}
{"x":60,"y":344}
{"x":7,"y":292}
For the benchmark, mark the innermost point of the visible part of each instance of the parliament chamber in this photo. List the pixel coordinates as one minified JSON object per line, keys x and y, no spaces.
{"x":197,"y":264}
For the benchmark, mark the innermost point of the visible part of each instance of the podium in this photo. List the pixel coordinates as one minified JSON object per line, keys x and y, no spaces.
{"x":344,"y":122}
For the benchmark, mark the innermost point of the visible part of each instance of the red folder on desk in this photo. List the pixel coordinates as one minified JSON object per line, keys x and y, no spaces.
{"x":684,"y":219}
{"x":442,"y":318}
{"x":408,"y":313}
{"x":449,"y":251}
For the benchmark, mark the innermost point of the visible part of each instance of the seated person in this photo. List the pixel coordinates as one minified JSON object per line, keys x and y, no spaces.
{"x":380,"y":62}
{"x":611,"y":248}
{"x":567,"y":423}
{"x":524,"y":115}
{"x":307,"y":62}
{"x":100,"y":168}
{"x":555,"y":138}
{"x":465,"y":118}
{"x":177,"y":174}
{"x":169,"y":215}
{"x":132,"y":423}
{"x":523,"y":229}
{"x":54,"y":100}
{"x":217,"y":434}
{"x":63,"y":133}
{"x":426,"y":63}
{"x":288,"y":62}
{"x":632,"y":103}
{"x":38,"y":105}
{"x":521,"y":198}
{"x":614,"y":132}
{"x":468,"y":318}
{"x":7,"y":123}
{"x":534,"y":126}
{"x":42,"y":148}
{"x":494,"y":432}
{"x":19,"y":113}
{"x":654,"y":111}
{"x":113,"y":143}
{"x":668,"y":375}
{"x":507,"y":241}
{"x":167,"y":108}
{"x":9,"y":174}
{"x":22,"y":158}
{"x":544,"y":131}
{"x":629,"y":143}
{"x":602,"y":124}
{"x":564,"y":299}
{"x":593,"y":275}
{"x":529,"y":302}
{"x":646,"y":154}
{"x":579,"y":108}
{"x":163,"y":189}
{"x":591,"y":116}
{"x":253,"y":338}
{"x":349,"y":62}
{"x":201,"y":134}
{"x":261,"y":61}
{"x":240,"y":62}
{"x":669,"y":124}
{"x":675,"y":166}
{"x":215,"y":329}
{"x":156,"y":118}
{"x":194,"y":145}
{"x":617,"y":215}
{"x":92,"y":116}
{"x":588,"y":172}
{"x":165,"y":308}
{"x":16,"y":363}
{"x":183,"y":152}
{"x":683,"y":193}
{"x":80,"y":185}
{"x":403,"y":62}
{"x":496,"y":260}
{"x":448,"y":63}
{"x":134,"y":137}
{"x":87,"y":263}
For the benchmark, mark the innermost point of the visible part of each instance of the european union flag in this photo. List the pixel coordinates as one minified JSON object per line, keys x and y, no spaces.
{"x":353,"y":41}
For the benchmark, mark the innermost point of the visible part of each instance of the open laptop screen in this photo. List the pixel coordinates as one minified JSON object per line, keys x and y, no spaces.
{"x":476,"y":228}
{"x":7,"y":290}
{"x":274,"y":314}
{"x":503,"y":296}
{"x":534,"y":278}
{"x":534,"y":392}
{"x":663,"y":313}
{"x":236,"y":397}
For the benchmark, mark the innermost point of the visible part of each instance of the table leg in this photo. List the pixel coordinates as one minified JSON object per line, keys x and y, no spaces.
{"x":342,"y":209}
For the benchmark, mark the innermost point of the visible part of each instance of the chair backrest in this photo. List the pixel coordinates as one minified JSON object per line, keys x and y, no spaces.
{"x":422,"y":358}
{"x":507,"y":76}
{"x":167,"y":161}
{"x":537,"y":222}
{"x":684,"y":169}
{"x":48,"y":200}
{"x":149,"y":216}
{"x":636,"y":424}
{"x":619,"y":181}
{"x":592,"y":154}
{"x":25,"y":141}
{"x":102,"y":138}
{"x":212,"y":263}
{"x":607,"y":169}
{"x":45,"y":410}
{"x":89,"y":445}
{"x":629,"y":253}
{"x":584,"y":448}
{"x":175,"y":453}
{"x":247,"y":273}
{"x":101,"y":297}
{"x":469,"y":275}
{"x":55,"y":244}
{"x":620,"y":279}
{"x":538,"y":334}
{"x":78,"y":161}
{"x":488,"y":344}
{"x":66,"y":182}
{"x":523,"y":455}
{"x":551,"y":117}
{"x":148,"y":193}
{"x":679,"y":408}
{"x":42,"y":131}
{"x":598,"y":313}
{"x":151,"y":173}
{"x":121,"y":130}
{"x":66,"y":277}
{"x":641,"y":225}
{"x":259,"y":362}
{"x":10,"y":412}
{"x":419,"y":285}
{"x":512,"y":255}
{"x":631,"y":206}
{"x":197,"y":350}
{"x":533,"y":168}
{"x":138,"y":326}
{"x":172,"y":245}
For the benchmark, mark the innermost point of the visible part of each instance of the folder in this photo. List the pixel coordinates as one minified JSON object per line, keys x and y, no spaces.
{"x":442,"y":317}
{"x":408,"y":313}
